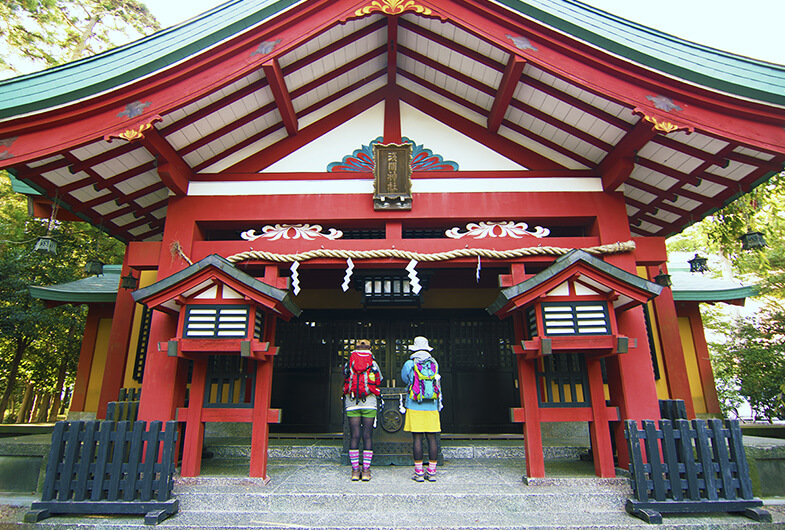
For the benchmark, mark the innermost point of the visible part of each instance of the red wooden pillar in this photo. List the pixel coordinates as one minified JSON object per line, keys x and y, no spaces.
{"x":260,"y":428}
{"x":194,"y":427}
{"x":163,"y":384}
{"x":119,"y":340}
{"x":672,"y":350}
{"x":527,"y":385}
{"x":598,"y":428}
{"x":630,"y":375}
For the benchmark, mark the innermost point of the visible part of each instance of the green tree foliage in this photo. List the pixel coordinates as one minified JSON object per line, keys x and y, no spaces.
{"x":35,"y":341}
{"x":751,"y":361}
{"x":761,"y":210}
{"x":39,"y":345}
{"x":39,"y":34}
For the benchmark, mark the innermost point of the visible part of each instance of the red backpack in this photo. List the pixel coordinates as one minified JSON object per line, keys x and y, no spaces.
{"x":361,"y":380}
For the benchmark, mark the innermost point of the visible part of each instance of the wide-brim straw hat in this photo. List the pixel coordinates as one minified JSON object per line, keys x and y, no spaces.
{"x":420,"y":343}
{"x":364,"y":342}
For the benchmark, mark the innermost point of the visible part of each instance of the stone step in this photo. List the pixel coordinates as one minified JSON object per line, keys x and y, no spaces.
{"x":477,"y":494}
{"x":331,"y":450}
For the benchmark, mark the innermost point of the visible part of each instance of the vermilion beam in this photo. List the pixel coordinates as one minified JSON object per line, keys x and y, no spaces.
{"x":512,"y":74}
{"x":173,"y":170}
{"x":288,"y":145}
{"x":274,"y":75}
{"x":617,"y":165}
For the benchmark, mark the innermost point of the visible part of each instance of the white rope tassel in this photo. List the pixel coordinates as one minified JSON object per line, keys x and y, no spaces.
{"x":401,"y":408}
{"x":414,"y":281}
{"x":295,"y":278}
{"x":348,"y":276}
{"x":479,"y":266}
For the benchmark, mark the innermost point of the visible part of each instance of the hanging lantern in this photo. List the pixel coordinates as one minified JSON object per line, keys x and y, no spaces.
{"x":129,"y":282}
{"x":94,"y":267}
{"x":698,"y":264}
{"x":753,"y":241}
{"x":663,"y":279}
{"x":46,"y":244}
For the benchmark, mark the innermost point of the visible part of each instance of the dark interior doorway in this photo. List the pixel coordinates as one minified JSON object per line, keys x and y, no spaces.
{"x":472,"y":348}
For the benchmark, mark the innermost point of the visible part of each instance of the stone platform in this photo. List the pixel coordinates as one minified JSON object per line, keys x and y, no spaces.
{"x":469,"y":493}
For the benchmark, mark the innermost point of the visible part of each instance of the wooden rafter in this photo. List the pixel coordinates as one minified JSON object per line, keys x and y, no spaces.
{"x":617,"y":165}
{"x":283,"y":100}
{"x":264,"y":158}
{"x":173,"y":170}
{"x":505,"y":92}
{"x":525,"y":157}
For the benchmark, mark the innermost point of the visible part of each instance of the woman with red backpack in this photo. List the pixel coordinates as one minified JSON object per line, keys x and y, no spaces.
{"x":360,"y":396}
{"x":423,"y":403}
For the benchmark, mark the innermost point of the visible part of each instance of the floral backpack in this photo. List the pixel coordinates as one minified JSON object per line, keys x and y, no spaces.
{"x":425,"y":381}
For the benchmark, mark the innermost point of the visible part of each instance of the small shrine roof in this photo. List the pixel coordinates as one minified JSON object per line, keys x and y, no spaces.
{"x":704,"y":286}
{"x":566,"y":261}
{"x":94,"y":289}
{"x":220,"y":263}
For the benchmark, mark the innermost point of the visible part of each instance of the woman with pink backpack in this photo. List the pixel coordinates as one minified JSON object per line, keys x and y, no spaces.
{"x":423,"y":403}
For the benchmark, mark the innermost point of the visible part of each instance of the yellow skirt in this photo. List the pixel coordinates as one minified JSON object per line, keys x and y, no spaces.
{"x":422,"y":421}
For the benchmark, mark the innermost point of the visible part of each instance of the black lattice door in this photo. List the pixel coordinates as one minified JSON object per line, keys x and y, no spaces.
{"x":473,"y":351}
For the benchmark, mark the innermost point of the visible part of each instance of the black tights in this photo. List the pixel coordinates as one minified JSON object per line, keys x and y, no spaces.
{"x":356,"y":425}
{"x":417,"y":436}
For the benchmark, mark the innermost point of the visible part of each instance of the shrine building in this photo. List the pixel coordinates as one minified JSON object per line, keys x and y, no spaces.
{"x":293,"y":176}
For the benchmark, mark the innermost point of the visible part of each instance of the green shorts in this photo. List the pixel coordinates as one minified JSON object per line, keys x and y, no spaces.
{"x":361,"y":413}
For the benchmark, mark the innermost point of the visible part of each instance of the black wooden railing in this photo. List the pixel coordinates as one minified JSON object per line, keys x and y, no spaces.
{"x":105,"y":468}
{"x":693,"y":467}
{"x":126,"y":408}
{"x":673,"y":409}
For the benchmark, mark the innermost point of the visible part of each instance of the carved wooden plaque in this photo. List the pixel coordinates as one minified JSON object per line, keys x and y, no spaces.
{"x":392,"y":188}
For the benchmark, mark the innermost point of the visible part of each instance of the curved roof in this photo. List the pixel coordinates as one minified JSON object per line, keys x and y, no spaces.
{"x":649,"y":47}
{"x":655,"y":49}
{"x":94,"y":289}
{"x":554,"y":86}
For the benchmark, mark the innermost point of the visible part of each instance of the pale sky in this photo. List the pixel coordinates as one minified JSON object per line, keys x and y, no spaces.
{"x":753,"y":28}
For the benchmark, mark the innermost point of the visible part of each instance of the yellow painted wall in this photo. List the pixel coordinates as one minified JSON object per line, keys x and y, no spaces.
{"x":662,"y":383}
{"x":691,"y":360}
{"x":99,"y":363}
{"x":146,"y":278}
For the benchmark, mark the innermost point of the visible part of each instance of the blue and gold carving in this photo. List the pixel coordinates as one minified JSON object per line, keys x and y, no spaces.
{"x":422,"y":159}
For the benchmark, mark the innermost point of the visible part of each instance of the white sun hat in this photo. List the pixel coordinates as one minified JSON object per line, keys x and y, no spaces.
{"x":420,"y":343}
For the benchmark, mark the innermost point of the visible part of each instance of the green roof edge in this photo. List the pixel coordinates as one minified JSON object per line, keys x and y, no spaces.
{"x":649,"y":60}
{"x":129,"y":76}
{"x":185,"y":31}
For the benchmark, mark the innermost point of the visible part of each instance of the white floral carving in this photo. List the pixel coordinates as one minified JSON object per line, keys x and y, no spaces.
{"x":501,"y":229}
{"x":285,"y":231}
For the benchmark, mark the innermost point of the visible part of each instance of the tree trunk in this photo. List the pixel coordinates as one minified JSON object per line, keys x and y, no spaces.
{"x":24,"y":406}
{"x":35,"y":405}
{"x":43,"y":409}
{"x":21,"y":346}
{"x":66,"y":401}
{"x":62,"y":370}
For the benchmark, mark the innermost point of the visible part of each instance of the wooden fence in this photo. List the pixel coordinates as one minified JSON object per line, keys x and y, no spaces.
{"x":109,"y":468}
{"x":693,"y":467}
